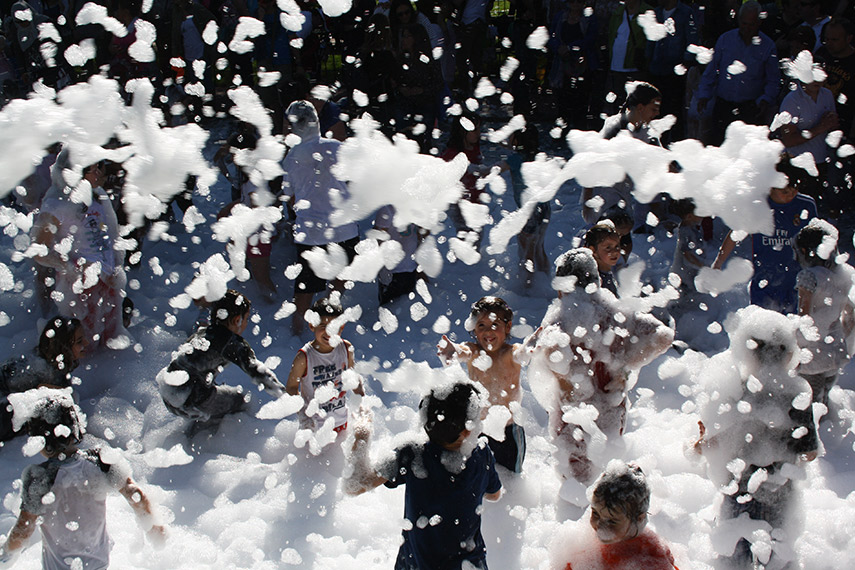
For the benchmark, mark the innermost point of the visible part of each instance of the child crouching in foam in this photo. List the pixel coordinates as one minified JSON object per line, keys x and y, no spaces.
{"x":187,"y":385}
{"x":68,"y":491}
{"x":584,"y":361}
{"x":619,"y":504}
{"x":446,"y":479}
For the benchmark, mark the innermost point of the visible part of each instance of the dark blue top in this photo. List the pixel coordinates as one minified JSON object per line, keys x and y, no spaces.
{"x":443,"y":507}
{"x":775,"y":267}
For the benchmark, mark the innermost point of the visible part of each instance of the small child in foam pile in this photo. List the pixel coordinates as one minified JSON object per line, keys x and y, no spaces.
{"x":619,"y":506}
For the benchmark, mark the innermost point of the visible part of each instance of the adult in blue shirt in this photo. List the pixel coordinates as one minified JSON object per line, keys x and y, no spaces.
{"x":743,"y":76}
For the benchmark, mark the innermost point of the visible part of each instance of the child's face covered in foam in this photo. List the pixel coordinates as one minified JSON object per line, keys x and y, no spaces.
{"x":610,"y":525}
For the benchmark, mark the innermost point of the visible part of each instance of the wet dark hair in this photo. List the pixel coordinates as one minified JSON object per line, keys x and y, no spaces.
{"x":231,"y":305}
{"x":326,"y":307}
{"x":578,"y":263}
{"x":806,"y":244}
{"x":683,"y":207}
{"x":600,"y":232}
{"x":797,"y":177}
{"x":56,"y":341}
{"x":458,"y":132}
{"x":493,"y":305}
{"x":625,"y":491}
{"x":446,"y":414}
{"x":643,"y":94}
{"x":54,"y":412}
{"x":618,"y":216}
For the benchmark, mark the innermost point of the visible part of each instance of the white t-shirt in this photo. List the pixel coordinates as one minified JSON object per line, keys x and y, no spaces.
{"x":309,"y":181}
{"x":620,"y":45}
{"x":75,"y":525}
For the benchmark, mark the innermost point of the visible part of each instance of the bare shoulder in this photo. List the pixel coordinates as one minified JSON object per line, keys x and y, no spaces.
{"x":300,"y":361}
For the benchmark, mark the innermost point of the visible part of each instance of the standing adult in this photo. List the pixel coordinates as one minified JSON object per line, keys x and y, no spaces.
{"x":666,"y":54}
{"x":743,"y":78}
{"x":837,"y":56}
{"x":812,"y":116}
{"x":308,"y":182}
{"x":627,"y":45}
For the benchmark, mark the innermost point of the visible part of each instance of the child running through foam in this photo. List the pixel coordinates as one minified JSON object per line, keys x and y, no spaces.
{"x":318,"y":370}
{"x":496,"y":364}
{"x":68,"y":492}
{"x":619,"y":504}
{"x":188,"y":386}
{"x":446,"y":478}
{"x":826,"y":295}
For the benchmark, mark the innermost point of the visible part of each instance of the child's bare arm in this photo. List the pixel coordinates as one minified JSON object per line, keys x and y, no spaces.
{"x":18,"y":536}
{"x":446,"y":350}
{"x":805,"y":300}
{"x":298,"y":369}
{"x":847,"y":318}
{"x":139,"y":502}
{"x":351,"y":364}
{"x":724,"y":251}
{"x":364,"y":476}
{"x":693,"y":259}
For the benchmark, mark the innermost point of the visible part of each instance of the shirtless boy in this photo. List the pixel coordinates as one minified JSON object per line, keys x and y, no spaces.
{"x":495,"y":363}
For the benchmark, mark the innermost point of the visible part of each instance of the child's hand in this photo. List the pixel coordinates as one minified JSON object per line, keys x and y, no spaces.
{"x":363,"y":424}
{"x":157,"y":536}
{"x":701,"y":442}
{"x":445,"y":349}
{"x":810,"y":456}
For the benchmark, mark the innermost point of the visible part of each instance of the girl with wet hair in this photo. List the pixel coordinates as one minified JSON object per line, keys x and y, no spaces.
{"x":825,"y":288}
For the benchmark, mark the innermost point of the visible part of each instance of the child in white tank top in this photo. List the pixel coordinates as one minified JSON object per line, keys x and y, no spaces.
{"x":318,"y":371}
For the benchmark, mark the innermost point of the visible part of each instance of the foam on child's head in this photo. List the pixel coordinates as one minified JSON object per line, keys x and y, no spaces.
{"x":623,"y":487}
{"x":49,"y":414}
{"x":816,"y":244}
{"x":763,"y":338}
{"x":576,"y":268}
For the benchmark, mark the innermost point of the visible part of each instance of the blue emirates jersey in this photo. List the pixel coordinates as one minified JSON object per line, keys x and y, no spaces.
{"x":775,"y":265}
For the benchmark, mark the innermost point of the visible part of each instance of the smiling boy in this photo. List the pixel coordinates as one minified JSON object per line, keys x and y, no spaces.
{"x":322,"y":362}
{"x":619,"y":506}
{"x":495,"y":363}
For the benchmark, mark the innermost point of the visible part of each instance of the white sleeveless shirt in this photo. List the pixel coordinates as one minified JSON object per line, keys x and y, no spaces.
{"x":323,"y":369}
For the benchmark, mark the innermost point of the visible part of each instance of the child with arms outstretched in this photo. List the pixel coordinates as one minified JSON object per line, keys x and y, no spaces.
{"x":446,"y":478}
{"x":496,"y":364}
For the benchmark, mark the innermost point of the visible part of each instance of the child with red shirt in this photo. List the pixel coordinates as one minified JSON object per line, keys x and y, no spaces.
{"x":619,"y":516}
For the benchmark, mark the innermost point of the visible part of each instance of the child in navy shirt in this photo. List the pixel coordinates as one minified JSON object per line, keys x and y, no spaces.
{"x":446,"y":479}
{"x":773,"y":285}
